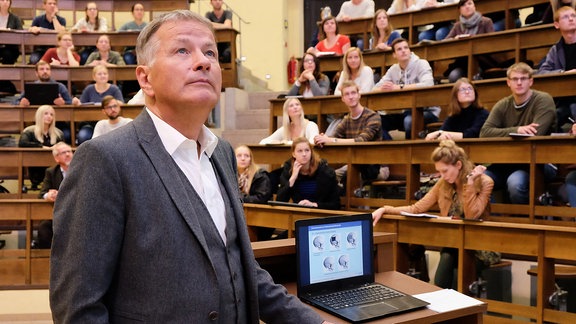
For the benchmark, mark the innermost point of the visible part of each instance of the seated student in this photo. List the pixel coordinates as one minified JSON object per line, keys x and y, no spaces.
{"x":383,"y":33}
{"x":254,"y":184}
{"x":410,"y":72}
{"x":561,"y":58}
{"x":221,"y":18}
{"x":356,"y":9}
{"x":294,"y":125}
{"x":548,"y":14}
{"x":308,"y":180}
{"x":97,"y":91}
{"x":428,"y":32}
{"x":354,"y":69}
{"x":528,"y":112}
{"x":104,"y":55}
{"x":136,"y":25}
{"x":465,"y":114}
{"x":9,"y":53}
{"x":111,"y":108}
{"x":64,"y":54}
{"x":463,"y":191}
{"x":50,"y":20}
{"x":330,"y":40}
{"x":44,"y":73}
{"x":43,"y":134}
{"x":92,"y":23}
{"x":54,"y":176}
{"x":311,"y":82}
{"x":470,"y":23}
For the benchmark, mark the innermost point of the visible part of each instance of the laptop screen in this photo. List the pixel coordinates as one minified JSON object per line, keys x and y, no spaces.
{"x":334,"y":249}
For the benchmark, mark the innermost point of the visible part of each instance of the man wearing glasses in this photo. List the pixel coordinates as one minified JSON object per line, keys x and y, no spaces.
{"x":54,"y":176}
{"x":111,"y":108}
{"x":526,"y":112}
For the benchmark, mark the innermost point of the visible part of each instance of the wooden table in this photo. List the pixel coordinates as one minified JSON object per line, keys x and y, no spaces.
{"x":411,"y":286}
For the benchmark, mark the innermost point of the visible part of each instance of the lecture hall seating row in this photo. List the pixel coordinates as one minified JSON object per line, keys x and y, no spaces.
{"x":411,"y":157}
{"x":21,"y":73}
{"x":490,"y":91}
{"x":411,"y":20}
{"x":548,"y":245}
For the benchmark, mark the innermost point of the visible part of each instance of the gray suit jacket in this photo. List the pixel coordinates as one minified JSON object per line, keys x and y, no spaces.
{"x":128,"y":246}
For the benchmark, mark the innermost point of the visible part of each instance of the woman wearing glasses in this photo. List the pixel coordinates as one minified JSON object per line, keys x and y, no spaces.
{"x":311,"y":82}
{"x":465,"y":114}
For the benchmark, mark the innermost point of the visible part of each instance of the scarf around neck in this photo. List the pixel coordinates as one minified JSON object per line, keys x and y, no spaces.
{"x":470,"y":25}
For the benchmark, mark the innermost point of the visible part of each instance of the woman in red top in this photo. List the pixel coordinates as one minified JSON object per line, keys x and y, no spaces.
{"x":64,"y":54}
{"x":330,"y":41}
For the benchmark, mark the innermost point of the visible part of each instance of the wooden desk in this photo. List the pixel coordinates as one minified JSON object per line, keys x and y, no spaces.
{"x":443,"y":13}
{"x":490,"y":91}
{"x":24,"y":267}
{"x":412,"y":286}
{"x":547,"y":244}
{"x":408,"y":156}
{"x":15,"y":118}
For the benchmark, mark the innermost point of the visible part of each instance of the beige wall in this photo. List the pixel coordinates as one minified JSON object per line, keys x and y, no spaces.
{"x":265,"y":42}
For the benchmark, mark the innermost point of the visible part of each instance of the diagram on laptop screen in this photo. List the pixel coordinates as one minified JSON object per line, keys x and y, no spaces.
{"x":335,"y":251}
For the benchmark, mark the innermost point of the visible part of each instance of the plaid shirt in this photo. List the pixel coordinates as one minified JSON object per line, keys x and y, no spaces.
{"x":366,"y":128}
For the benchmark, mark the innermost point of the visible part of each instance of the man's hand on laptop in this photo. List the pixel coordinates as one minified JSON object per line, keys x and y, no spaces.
{"x":59,"y":101}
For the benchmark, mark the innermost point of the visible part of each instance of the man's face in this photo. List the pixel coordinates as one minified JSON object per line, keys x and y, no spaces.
{"x":566,"y":21}
{"x":112,"y":109}
{"x":64,"y":155}
{"x":216,"y":4}
{"x":402,"y":52}
{"x":185,"y":76}
{"x":350,"y":96}
{"x":44,"y":73}
{"x":51,"y":6}
{"x":519,"y":83}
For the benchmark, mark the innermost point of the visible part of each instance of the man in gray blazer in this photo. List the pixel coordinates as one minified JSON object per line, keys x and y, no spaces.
{"x":149,"y":226}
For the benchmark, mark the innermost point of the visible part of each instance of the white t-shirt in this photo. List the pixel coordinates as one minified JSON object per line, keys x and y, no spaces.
{"x":104,"y":126}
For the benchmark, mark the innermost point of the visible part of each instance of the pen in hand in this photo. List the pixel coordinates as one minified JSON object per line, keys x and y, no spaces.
{"x":571,"y":120}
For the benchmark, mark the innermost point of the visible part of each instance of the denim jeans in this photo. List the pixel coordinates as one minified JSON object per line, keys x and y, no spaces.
{"x":515,"y":179}
{"x":571,"y":188}
{"x":402,"y":122}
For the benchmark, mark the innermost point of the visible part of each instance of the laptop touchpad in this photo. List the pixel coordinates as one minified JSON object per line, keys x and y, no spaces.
{"x":377,"y":309}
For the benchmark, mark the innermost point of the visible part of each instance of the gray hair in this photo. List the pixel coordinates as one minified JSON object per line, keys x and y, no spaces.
{"x":146,"y":47}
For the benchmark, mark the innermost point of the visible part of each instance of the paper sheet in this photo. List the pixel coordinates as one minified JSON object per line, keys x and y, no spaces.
{"x":447,"y":299}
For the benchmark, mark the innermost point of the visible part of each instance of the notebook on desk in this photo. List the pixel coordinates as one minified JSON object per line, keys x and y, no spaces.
{"x":335,"y":265}
{"x":41,"y":93}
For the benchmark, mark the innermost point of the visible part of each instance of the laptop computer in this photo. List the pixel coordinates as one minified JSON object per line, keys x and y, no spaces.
{"x":334,"y":258}
{"x":41,"y":93}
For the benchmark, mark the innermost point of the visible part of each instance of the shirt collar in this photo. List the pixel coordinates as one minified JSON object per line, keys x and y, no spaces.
{"x":172,"y":139}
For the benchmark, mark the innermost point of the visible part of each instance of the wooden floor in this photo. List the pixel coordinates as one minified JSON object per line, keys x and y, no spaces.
{"x":25,"y":306}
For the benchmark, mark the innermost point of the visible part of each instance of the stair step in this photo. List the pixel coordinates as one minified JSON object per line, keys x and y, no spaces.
{"x":253,"y":119}
{"x":244,"y":136}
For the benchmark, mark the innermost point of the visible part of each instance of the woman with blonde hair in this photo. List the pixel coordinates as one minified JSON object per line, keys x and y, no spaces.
{"x":354,"y":69}
{"x":43,"y":134}
{"x":101,"y":88}
{"x":308,"y":180}
{"x":463,"y":191}
{"x":254,"y":185}
{"x":294,"y":124}
{"x":382,"y":31}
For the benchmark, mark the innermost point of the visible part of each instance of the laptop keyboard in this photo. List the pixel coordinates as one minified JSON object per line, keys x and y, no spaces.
{"x":358,"y":296}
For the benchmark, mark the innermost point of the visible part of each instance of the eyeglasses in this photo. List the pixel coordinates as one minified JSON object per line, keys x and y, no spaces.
{"x":111,"y":106}
{"x":92,"y":9}
{"x":309,"y":61}
{"x":466,"y":89}
{"x":521,"y":79}
{"x":65,"y":152}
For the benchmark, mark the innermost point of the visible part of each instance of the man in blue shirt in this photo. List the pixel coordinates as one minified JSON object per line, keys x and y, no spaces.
{"x":48,"y":21}
{"x":44,"y":74}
